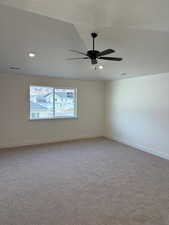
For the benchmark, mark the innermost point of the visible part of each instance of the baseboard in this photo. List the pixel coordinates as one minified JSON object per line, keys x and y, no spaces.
{"x":140,"y":147}
{"x":136,"y":146}
{"x":50,"y":142}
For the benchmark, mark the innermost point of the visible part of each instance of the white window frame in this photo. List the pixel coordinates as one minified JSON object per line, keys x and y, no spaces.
{"x":54,"y":117}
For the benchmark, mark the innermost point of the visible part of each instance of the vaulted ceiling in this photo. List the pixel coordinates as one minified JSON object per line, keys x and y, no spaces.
{"x":137,"y":30}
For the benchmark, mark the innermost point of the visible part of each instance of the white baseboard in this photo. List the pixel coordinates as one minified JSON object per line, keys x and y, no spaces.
{"x":141,"y":147}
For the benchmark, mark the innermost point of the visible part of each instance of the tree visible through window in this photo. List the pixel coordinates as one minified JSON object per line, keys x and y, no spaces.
{"x":51,"y":102}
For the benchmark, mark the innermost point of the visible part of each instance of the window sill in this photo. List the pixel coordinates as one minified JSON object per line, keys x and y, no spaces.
{"x":56,"y":118}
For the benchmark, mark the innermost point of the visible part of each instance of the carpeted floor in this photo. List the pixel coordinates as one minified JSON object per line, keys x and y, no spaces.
{"x":90,"y":182}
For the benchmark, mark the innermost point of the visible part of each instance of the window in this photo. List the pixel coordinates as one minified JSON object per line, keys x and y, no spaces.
{"x":51,"y":102}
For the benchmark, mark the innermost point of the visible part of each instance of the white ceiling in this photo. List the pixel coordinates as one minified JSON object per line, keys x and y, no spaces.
{"x":137,"y":30}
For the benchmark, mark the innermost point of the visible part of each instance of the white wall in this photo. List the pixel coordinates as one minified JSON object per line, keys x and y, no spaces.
{"x":15,"y":127}
{"x":137,"y":112}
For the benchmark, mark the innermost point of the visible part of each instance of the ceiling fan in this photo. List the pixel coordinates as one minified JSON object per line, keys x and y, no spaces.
{"x":94,"y":55}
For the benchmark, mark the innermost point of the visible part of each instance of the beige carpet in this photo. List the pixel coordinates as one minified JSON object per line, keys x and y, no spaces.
{"x":91,"y":182}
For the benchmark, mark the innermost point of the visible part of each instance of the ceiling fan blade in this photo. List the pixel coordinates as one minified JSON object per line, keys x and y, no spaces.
{"x":77,"y":58}
{"x":106,"y":52}
{"x":82,"y":53}
{"x":111,"y":58}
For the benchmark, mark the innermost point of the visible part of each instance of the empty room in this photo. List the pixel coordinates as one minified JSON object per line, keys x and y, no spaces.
{"x":84,"y":112}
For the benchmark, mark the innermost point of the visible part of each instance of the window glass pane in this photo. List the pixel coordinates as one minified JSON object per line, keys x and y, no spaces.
{"x":41,"y":102}
{"x":65,"y":102}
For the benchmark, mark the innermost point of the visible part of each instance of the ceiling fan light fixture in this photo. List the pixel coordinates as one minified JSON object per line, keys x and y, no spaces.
{"x":32,"y":55}
{"x":100,"y":67}
{"x":93,"y":67}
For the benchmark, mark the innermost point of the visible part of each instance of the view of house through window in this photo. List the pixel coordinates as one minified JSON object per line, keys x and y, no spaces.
{"x":51,"y":102}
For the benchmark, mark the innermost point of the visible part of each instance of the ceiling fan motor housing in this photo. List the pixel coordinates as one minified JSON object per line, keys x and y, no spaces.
{"x":93,"y":56}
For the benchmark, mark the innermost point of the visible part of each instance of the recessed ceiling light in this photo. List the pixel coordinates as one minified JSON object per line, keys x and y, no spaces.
{"x":31,"y":54}
{"x":100,"y":67}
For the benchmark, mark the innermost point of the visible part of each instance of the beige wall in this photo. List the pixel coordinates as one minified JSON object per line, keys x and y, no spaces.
{"x":137,"y":112}
{"x":15,"y":127}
